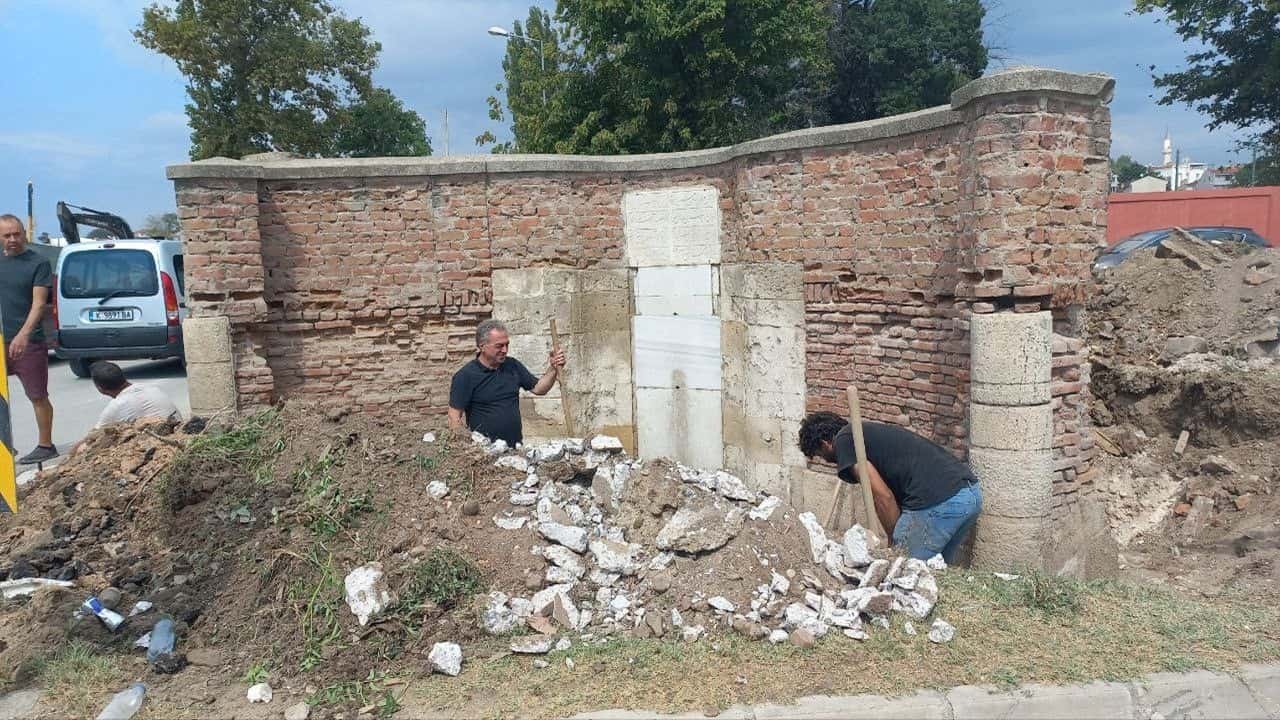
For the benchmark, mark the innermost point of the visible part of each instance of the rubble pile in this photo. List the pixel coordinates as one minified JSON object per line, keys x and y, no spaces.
{"x":1184,"y":341}
{"x":652,"y":549}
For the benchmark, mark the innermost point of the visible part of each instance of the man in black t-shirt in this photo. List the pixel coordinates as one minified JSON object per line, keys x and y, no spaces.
{"x":26,"y":281}
{"x":485,"y":393}
{"x":926,"y":499}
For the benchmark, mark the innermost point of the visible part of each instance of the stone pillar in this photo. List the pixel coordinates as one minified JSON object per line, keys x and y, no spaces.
{"x":1011,"y":436}
{"x":211,"y":370}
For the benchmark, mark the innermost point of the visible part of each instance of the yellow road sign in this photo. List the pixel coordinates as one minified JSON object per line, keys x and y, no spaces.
{"x":8,"y":478}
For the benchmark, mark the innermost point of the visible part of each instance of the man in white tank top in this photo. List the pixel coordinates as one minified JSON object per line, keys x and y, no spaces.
{"x":129,"y":402}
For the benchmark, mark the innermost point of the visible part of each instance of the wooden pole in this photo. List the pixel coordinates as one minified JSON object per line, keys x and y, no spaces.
{"x":564,"y":391}
{"x":871,"y":521}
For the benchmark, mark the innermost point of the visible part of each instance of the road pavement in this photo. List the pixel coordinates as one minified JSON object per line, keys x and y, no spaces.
{"x":76,"y":404}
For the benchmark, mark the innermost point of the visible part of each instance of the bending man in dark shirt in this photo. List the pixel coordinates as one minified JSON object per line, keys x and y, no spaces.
{"x":926,"y":499}
{"x":485,"y":393}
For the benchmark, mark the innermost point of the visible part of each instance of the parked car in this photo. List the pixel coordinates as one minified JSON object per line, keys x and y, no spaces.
{"x":1119,"y":252}
{"x":119,"y":300}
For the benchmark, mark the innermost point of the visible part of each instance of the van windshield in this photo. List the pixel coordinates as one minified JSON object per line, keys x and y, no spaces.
{"x":99,"y":273}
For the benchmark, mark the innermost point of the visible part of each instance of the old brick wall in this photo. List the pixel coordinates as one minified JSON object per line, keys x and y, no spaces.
{"x":360,"y":282}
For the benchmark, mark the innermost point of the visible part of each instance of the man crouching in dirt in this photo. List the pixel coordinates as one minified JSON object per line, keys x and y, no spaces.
{"x":485,"y":393}
{"x":926,"y":499}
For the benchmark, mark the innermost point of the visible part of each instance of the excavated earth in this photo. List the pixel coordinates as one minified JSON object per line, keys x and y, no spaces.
{"x":1184,"y":344}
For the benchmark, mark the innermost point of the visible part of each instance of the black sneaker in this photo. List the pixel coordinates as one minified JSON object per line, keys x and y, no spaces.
{"x":42,"y":453}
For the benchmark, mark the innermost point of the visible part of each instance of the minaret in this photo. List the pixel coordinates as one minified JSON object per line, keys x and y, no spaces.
{"x":1167,"y":153}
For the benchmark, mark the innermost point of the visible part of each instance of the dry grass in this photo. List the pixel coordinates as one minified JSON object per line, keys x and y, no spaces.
{"x":75,"y":680}
{"x":1008,"y":632}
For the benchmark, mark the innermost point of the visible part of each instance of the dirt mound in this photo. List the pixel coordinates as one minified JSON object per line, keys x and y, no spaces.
{"x":1184,"y":343}
{"x":261,"y":541}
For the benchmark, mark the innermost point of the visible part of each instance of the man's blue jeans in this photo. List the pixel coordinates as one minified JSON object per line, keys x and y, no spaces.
{"x":941,"y":528}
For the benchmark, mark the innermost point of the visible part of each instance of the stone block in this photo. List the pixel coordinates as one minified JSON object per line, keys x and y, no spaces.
{"x":1026,"y":427}
{"x":1015,"y":483}
{"x":763,"y":281}
{"x":1008,"y":544}
{"x":775,"y":357}
{"x":773,"y":313}
{"x":1095,"y":699}
{"x":782,"y":405}
{"x":677,"y":352}
{"x":207,"y":339}
{"x":1011,"y":358}
{"x":1196,"y":694}
{"x":672,"y":226}
{"x":682,"y":305}
{"x":211,"y":388}
{"x":683,"y":424}
{"x":756,"y":439}
{"x":684,"y":280}
{"x":597,"y":312}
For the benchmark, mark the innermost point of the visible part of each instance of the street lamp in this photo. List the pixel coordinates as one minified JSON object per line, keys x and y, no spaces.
{"x":542,"y":57}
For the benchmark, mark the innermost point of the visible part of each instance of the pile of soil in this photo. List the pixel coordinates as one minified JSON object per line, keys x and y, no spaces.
{"x":245,"y":537}
{"x":1184,"y":343}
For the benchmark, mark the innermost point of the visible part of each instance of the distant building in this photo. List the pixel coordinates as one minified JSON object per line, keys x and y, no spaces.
{"x":1183,"y":177}
{"x":1149,"y":184}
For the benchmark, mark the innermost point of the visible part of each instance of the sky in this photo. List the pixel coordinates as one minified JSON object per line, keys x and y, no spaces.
{"x":93,"y":118}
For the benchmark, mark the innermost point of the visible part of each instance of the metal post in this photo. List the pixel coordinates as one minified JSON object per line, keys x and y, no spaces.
{"x":31,"y":212}
{"x":1177,"y":166}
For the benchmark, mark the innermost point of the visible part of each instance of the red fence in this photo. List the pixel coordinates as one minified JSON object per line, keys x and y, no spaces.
{"x":1257,"y":208}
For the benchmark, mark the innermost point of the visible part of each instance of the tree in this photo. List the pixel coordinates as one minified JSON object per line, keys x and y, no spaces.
{"x":263,"y":74}
{"x":380,"y":126}
{"x":1235,"y":79}
{"x":1262,"y":169}
{"x":98,"y":234}
{"x":1126,"y":170}
{"x":662,"y":75}
{"x":896,"y":56}
{"x":161,"y":225}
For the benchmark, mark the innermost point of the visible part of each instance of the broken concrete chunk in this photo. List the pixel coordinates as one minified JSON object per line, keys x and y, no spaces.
{"x":557,"y":575}
{"x":841,"y":618}
{"x":778,"y":636}
{"x":1218,"y":465}
{"x":513,"y":462}
{"x":936,"y":563}
{"x":429,"y":437}
{"x":732,"y":487}
{"x":479,"y":438}
{"x":909,"y":628}
{"x":721,"y":603}
{"x":702,"y":530}
{"x":533,"y":645}
{"x":765,"y":509}
{"x":367,"y":592}
{"x":833,"y":560}
{"x":615,"y":557}
{"x":779,"y":584}
{"x":445,"y":657}
{"x":563,"y":611}
{"x":877,"y":603}
{"x":858,"y":544}
{"x":524,"y":499}
{"x":606,"y":443}
{"x":941,"y":631}
{"x":260,"y":693}
{"x":547,"y":452}
{"x":856,"y":633}
{"x":1176,"y":347}
{"x":498,"y":618}
{"x":691,"y":633}
{"x":510,"y":523}
{"x":817,"y":536}
{"x":544,"y":598}
{"x":522,"y":607}
{"x":796,"y":615}
{"x":565,"y":558}
{"x":437,"y":489}
{"x":875,"y":574}
{"x":497,"y":448}
{"x":574,"y":538}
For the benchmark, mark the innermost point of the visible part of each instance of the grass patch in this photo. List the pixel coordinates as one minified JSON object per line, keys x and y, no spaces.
{"x":1034,"y":629}
{"x":78,"y":680}
{"x":244,"y":448}
{"x":317,"y":601}
{"x":257,"y":673}
{"x":445,"y":577}
{"x":328,"y":507}
{"x":371,"y":693}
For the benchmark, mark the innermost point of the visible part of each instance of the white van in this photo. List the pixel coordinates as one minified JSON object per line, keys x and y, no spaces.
{"x":118,"y":300}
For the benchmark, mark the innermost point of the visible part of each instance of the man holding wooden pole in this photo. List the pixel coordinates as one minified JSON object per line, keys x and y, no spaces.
{"x":926,"y":500}
{"x":485,"y":393}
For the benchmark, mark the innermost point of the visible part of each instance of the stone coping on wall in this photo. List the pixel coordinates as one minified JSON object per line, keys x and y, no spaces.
{"x":281,"y":166}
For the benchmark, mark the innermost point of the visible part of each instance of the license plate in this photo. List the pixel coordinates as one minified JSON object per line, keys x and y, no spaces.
{"x":110,"y":315}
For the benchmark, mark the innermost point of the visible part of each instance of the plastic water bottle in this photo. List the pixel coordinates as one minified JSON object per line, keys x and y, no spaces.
{"x":161,"y":639}
{"x":125,"y":704}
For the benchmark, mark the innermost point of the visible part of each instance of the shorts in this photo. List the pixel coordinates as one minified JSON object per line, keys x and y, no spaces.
{"x":32,"y":368}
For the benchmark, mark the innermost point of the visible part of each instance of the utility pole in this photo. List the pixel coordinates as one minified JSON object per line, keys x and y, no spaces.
{"x":1177,"y":166}
{"x":446,"y":132}
{"x":31,"y":211}
{"x":1253,"y":166}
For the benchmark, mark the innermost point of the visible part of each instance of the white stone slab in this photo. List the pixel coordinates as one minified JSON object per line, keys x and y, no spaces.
{"x":672,"y":226}
{"x":673,"y":280}
{"x":681,"y":424}
{"x":677,"y":352}
{"x":680,"y":305}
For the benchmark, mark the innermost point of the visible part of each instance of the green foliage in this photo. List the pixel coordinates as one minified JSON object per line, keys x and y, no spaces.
{"x":1126,"y":170}
{"x":161,"y":225}
{"x":327,"y":506}
{"x":445,"y":577}
{"x":291,"y":75}
{"x":361,"y":693}
{"x":668,"y":75}
{"x":1051,"y":594}
{"x":896,"y":56}
{"x":317,"y":601}
{"x":257,"y":673}
{"x":1262,"y":168}
{"x":1235,"y":77}
{"x":380,"y":126}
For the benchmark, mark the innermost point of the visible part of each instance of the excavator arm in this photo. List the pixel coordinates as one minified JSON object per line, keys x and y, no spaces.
{"x":71,"y":216}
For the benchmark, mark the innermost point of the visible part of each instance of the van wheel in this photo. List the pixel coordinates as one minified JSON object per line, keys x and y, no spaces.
{"x":80,"y":367}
